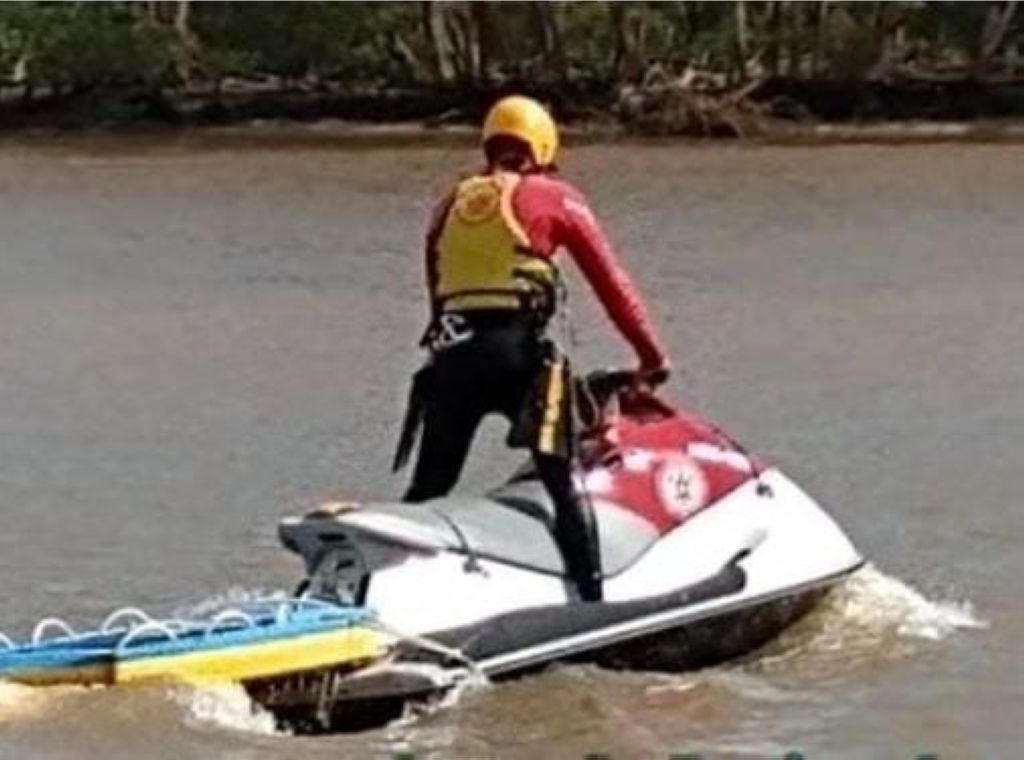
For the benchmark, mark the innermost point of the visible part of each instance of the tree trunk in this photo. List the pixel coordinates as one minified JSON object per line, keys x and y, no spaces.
{"x":181,"y":26}
{"x":741,"y":38}
{"x":630,"y":33}
{"x":993,"y":33}
{"x":820,"y":39}
{"x":461,"y":31}
{"x":774,"y":37}
{"x":548,"y":31}
{"x":557,"y":42}
{"x":181,"y":16}
{"x":877,"y":31}
{"x":418,"y":72}
{"x":440,"y":44}
{"x":481,"y":39}
{"x":1013,"y":58}
{"x":633,"y":31}
{"x":795,"y":31}
{"x":886,"y":30}
{"x":620,"y":50}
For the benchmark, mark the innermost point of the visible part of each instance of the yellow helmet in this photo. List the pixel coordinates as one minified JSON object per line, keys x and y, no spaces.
{"x":526,"y":119}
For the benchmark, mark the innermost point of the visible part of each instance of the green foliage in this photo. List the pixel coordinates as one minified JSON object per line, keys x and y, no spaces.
{"x":854,"y":48}
{"x":296,"y":40}
{"x":591,"y":41}
{"x":88,"y":45}
{"x":122,"y":44}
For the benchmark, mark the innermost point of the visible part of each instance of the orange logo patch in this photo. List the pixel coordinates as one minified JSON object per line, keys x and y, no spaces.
{"x":478,"y":203}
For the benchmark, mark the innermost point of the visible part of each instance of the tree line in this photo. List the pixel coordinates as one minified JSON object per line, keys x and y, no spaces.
{"x":57,"y":49}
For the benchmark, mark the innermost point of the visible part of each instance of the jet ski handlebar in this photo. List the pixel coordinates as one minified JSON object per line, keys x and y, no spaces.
{"x":605,"y":391}
{"x":605,"y":382}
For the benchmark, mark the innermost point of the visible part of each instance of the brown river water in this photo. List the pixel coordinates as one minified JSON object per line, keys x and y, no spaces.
{"x":200,"y":335}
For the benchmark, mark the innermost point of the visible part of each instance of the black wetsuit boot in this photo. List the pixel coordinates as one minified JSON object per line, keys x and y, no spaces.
{"x":575,"y":527}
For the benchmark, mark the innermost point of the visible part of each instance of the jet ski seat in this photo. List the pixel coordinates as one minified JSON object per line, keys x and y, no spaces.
{"x":512,"y":524}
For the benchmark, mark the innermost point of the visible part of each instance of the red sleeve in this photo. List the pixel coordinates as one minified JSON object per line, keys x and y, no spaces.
{"x":583,"y":237}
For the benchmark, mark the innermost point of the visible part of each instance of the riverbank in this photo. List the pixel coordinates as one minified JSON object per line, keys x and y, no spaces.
{"x":775,"y":110}
{"x":274,"y":134}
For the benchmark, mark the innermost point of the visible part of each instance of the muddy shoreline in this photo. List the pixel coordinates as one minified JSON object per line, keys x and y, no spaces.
{"x":333,"y":133}
{"x":785,"y":111}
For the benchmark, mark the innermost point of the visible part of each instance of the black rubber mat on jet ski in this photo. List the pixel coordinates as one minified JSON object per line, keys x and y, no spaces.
{"x":530,"y":627}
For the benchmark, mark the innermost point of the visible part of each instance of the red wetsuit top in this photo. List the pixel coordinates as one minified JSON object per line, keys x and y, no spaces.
{"x":556,"y":215}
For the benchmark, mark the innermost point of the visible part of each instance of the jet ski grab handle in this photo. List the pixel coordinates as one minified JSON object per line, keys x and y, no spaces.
{"x":605,"y":393}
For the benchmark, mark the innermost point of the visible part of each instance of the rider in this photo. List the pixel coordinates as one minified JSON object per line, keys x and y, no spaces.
{"x":492,"y":280}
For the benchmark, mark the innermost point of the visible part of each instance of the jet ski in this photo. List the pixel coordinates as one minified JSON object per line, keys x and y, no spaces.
{"x":708,"y":552}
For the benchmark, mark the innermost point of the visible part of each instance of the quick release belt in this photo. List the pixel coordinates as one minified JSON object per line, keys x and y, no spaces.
{"x":537,"y":296}
{"x":479,"y":300}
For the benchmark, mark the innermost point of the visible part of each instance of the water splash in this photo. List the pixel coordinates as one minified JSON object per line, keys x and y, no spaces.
{"x":226,"y":706}
{"x":472,"y":684}
{"x":18,"y":701}
{"x":15,"y":700}
{"x":872,"y":617}
{"x":869,"y":619}
{"x":876,"y":600}
{"x":234,"y":596}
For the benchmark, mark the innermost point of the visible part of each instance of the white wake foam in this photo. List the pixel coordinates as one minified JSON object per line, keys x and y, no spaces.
{"x":14,"y":700}
{"x":873,"y":599}
{"x":18,"y":701}
{"x":232,"y":597}
{"x":414,"y":712}
{"x":870,"y":617}
{"x":227,"y":706}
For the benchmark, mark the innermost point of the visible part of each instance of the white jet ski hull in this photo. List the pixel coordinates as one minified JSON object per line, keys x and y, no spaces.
{"x":706,"y":553}
{"x":722,"y":584}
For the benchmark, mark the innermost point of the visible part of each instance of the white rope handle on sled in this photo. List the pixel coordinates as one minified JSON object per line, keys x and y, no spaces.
{"x":229,"y":619}
{"x":5,"y":641}
{"x":52,"y":622}
{"x":153,"y":626}
{"x":133,"y":615}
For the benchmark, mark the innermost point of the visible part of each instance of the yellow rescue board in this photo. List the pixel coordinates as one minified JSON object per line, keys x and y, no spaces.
{"x":244,"y":662}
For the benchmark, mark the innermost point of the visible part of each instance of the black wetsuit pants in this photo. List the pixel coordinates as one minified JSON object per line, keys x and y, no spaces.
{"x":498,"y":370}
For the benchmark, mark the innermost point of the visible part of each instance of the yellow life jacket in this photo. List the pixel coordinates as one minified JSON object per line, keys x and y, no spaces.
{"x":484,"y":259}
